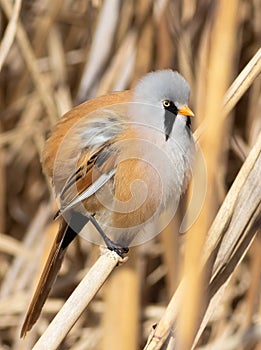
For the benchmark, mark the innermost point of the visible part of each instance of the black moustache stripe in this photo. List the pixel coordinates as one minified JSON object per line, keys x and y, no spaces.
{"x":169,"y":120}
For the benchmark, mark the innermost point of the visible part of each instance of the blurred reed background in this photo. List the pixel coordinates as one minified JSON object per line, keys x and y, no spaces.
{"x":55,"y":54}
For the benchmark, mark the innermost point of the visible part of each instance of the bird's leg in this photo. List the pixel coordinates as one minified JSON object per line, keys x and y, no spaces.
{"x":117,"y":248}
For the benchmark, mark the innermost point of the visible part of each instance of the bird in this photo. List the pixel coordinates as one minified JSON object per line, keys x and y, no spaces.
{"x":117,"y":161}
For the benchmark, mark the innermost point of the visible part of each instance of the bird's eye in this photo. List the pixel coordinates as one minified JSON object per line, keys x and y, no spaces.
{"x":166,"y":103}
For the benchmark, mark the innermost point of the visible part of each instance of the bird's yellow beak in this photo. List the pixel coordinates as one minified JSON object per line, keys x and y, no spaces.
{"x":186,"y":111}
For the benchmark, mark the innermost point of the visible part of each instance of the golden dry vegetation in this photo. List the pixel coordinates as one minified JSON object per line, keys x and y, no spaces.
{"x":55,"y":54}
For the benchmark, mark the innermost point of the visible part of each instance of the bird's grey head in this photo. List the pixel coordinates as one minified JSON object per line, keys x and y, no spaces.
{"x":168,"y":92}
{"x":162,"y":85}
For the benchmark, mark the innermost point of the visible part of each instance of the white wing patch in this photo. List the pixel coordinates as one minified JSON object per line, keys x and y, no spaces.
{"x":99,"y":130}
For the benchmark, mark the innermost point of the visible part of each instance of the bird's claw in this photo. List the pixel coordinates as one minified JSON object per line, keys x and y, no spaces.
{"x":121,"y":251}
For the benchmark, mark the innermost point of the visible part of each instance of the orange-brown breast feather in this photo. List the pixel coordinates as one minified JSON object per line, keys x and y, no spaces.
{"x":145,"y":198}
{"x":147,"y":194}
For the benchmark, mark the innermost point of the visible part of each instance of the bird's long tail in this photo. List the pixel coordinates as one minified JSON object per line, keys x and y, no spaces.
{"x":64,"y":237}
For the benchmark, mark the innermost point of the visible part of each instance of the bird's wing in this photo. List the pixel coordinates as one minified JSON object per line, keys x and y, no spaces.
{"x":92,"y":173}
{"x":93,"y":158}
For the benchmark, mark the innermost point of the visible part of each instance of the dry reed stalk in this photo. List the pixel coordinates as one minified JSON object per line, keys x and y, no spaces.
{"x":254,"y":124}
{"x":115,"y":69}
{"x":2,"y":187}
{"x":90,"y":339}
{"x":18,"y":268}
{"x":78,"y":301}
{"x":143,"y":57}
{"x":223,"y":35}
{"x":11,"y":246}
{"x":201,"y":79}
{"x":62,"y":95}
{"x":228,"y":241}
{"x":236,"y":223}
{"x":30,"y":60}
{"x":253,"y":293}
{"x":120,"y":322}
{"x":164,"y":47}
{"x":246,"y":339}
{"x":101,"y":48}
{"x":170,"y":255}
{"x":184,"y":52}
{"x":124,"y":24}
{"x":9,"y":36}
{"x":43,"y":26}
{"x":125,"y":74}
{"x":144,"y":39}
{"x":242,"y":83}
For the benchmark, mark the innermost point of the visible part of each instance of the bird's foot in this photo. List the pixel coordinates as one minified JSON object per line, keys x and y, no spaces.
{"x":117,"y":248}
